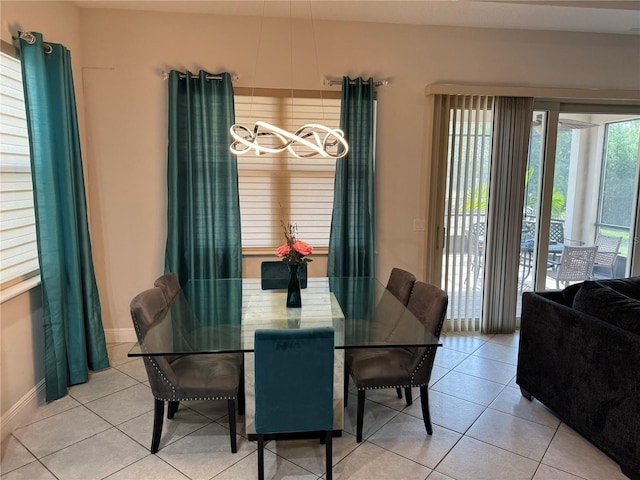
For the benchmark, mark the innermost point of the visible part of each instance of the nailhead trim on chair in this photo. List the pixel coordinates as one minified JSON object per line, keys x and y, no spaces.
{"x":391,"y":386}
{"x":194,"y":398}
{"x":173,"y":390}
{"x":424,"y":357}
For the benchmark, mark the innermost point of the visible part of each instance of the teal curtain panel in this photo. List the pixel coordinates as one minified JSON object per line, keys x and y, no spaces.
{"x":352,"y":238}
{"x":203,"y":231}
{"x":74,"y":339}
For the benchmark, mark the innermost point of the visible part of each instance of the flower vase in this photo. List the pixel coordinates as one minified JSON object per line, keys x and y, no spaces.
{"x":294,"y":300}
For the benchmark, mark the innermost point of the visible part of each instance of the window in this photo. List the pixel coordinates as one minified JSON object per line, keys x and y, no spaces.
{"x":279,"y":187}
{"x":618,"y":180}
{"x":18,"y":247}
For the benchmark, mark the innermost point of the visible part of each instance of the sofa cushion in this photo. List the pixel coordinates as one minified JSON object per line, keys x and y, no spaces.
{"x":609,"y":305}
{"x":627,"y":286}
{"x":569,"y":293}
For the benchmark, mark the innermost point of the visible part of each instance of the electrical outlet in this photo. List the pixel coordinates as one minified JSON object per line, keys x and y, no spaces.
{"x":418,"y":225}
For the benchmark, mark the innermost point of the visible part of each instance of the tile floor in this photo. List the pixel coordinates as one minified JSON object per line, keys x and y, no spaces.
{"x":483,"y":429}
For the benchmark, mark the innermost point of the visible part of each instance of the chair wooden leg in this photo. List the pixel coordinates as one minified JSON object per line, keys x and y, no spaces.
{"x":260,"y":456}
{"x":158,"y":414}
{"x":231,"y":404}
{"x":360,"y":417}
{"x":329,"y":454}
{"x":408,"y":395}
{"x":399,"y":392}
{"x":424,"y":399}
{"x":172,"y":409}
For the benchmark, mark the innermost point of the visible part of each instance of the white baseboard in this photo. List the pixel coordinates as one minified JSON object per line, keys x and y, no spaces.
{"x":25,"y":408}
{"x":120,"y":335}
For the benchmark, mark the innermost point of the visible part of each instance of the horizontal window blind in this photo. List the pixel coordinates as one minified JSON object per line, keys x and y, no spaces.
{"x":18,"y":247}
{"x":277,"y":187}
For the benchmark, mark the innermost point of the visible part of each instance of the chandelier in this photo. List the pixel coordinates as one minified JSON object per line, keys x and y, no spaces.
{"x":309,"y":140}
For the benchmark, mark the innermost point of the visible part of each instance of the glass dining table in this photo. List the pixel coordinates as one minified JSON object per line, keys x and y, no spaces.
{"x":222,"y":315}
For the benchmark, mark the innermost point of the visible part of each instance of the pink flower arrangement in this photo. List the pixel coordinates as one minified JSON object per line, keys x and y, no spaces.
{"x":294,"y":251}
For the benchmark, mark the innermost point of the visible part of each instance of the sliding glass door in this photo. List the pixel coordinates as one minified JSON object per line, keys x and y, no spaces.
{"x":581,"y":191}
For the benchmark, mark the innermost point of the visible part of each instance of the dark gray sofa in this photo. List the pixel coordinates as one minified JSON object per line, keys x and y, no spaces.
{"x":580,"y":356}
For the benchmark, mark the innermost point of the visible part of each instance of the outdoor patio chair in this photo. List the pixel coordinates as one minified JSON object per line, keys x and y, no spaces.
{"x":576,"y":265}
{"x":608,"y":248}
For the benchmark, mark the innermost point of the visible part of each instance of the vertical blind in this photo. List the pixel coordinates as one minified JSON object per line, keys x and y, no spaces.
{"x":467,"y":136}
{"x":18,"y":247}
{"x":277,"y":187}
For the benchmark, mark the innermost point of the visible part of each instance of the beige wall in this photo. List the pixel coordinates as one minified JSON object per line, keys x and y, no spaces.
{"x":124,"y":52}
{"x":126,"y":111}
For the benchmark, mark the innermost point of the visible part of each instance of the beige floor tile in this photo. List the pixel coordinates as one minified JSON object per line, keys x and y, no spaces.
{"x":492,"y":370}
{"x":32,"y":471}
{"x":13,"y":455}
{"x":515,"y":434}
{"x":124,"y":404}
{"x":134,"y":369}
{"x":310,"y":454}
{"x":275,"y":467}
{"x":205,"y":453}
{"x":437,"y":373}
{"x":468,"y":387}
{"x":52,"y":408}
{"x":449,"y":358}
{"x":499,"y":352}
{"x":408,"y":438}
{"x":149,"y":468}
{"x":118,"y":353}
{"x":369,"y":462}
{"x":87,"y":459}
{"x":511,"y":401}
{"x":546,"y":472}
{"x":449,"y":412}
{"x":438,"y":476}
{"x":375,"y":415}
{"x":472,"y":459}
{"x":100,"y":384}
{"x":509,"y":339}
{"x":570,"y":452}
{"x":57,"y":432}
{"x":184,"y":422}
{"x":463,"y":343}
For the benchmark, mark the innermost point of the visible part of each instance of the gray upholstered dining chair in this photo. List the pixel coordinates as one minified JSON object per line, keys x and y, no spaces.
{"x":169,"y":285}
{"x":294,"y":386}
{"x":400,"y":285}
{"x":174,"y":378}
{"x":396,"y":367}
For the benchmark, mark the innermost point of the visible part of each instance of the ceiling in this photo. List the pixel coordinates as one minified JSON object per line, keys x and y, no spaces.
{"x":609,"y":16}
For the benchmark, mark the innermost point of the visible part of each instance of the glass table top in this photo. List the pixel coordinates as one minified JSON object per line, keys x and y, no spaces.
{"x":215,"y":316}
